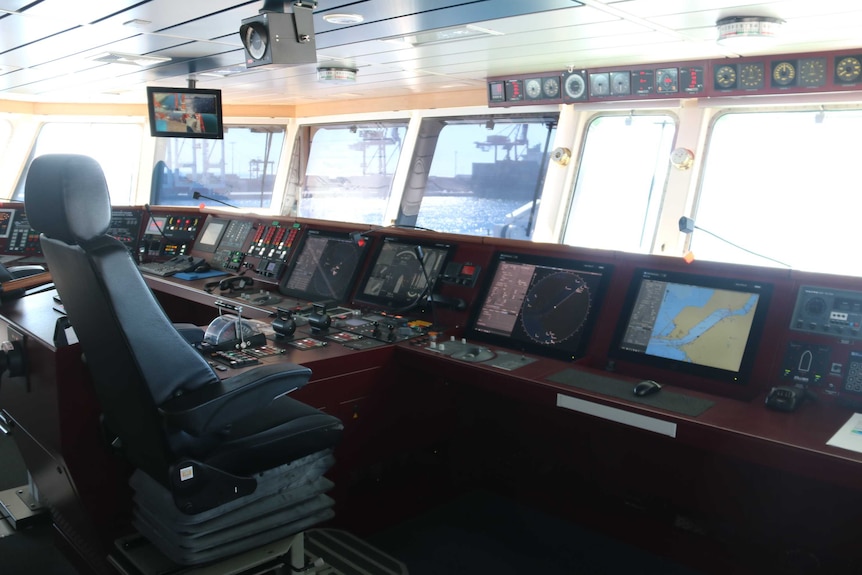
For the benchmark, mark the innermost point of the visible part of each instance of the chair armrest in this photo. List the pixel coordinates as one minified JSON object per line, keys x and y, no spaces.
{"x":216,"y":405}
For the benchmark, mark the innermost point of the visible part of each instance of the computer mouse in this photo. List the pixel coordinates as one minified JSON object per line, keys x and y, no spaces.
{"x":646,"y":387}
{"x":204,"y":267}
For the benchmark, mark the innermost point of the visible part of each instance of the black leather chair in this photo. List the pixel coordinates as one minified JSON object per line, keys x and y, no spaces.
{"x":222,"y":466}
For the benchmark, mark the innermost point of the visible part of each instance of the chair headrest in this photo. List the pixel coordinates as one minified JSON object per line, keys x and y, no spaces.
{"x":66,"y":198}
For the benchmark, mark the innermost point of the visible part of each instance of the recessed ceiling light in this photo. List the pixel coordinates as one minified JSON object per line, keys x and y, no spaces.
{"x":469,"y":31}
{"x":343,"y":18}
{"x":128,"y":59}
{"x":137,"y":23}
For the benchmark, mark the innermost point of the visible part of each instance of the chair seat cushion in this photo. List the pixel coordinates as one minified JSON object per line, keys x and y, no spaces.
{"x":283,"y":431}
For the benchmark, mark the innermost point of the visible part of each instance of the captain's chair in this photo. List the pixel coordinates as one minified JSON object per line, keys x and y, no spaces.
{"x":222,"y":466}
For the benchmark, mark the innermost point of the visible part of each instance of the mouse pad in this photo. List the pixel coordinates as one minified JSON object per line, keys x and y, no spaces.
{"x":199,"y":275}
{"x":676,"y":402}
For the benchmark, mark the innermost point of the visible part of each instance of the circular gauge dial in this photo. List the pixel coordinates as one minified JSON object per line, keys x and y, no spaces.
{"x":621,"y":84}
{"x":555,"y":308}
{"x":599,"y":84}
{"x":751,"y":76}
{"x":256,"y":41}
{"x":725,"y":77}
{"x":533,"y":88}
{"x":551,"y":87}
{"x":575,"y":87}
{"x":848,"y":69}
{"x":783,"y":74}
{"x":812,"y":72}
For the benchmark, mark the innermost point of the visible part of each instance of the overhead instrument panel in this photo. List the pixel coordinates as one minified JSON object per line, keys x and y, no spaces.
{"x":781,"y":74}
{"x":828,"y":311}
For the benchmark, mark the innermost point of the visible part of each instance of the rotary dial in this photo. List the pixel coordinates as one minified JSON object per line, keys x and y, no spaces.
{"x":725,"y":77}
{"x":812,"y":72}
{"x":751,"y":76}
{"x":599,"y":85}
{"x":551,"y":87}
{"x":621,"y":84}
{"x":783,"y":74}
{"x":848,"y":69}
{"x":575,"y":87}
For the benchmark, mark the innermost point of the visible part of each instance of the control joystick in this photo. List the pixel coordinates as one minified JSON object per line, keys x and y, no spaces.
{"x":284,"y":325}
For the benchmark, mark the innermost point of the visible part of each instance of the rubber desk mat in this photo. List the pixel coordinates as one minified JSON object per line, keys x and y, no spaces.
{"x":676,"y":402}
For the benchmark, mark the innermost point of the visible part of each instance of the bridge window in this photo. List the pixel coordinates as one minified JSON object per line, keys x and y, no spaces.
{"x":485,"y":176}
{"x":349,"y":170}
{"x":5,"y":133}
{"x":620,"y":183}
{"x":780,"y":188}
{"x":116,"y":146}
{"x":238,"y":170}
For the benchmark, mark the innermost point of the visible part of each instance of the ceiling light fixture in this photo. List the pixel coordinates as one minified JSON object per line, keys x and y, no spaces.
{"x":747,"y":30}
{"x":129,"y":59}
{"x":343,"y":18}
{"x":467,"y":32}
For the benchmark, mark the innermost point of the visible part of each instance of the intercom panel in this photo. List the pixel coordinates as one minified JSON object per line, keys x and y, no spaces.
{"x":828,"y":311}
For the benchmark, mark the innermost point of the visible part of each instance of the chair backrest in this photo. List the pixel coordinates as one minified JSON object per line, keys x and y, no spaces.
{"x":136,"y":357}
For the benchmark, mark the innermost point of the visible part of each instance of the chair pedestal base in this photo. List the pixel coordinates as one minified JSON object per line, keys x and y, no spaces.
{"x":314,"y":552}
{"x":20,"y":508}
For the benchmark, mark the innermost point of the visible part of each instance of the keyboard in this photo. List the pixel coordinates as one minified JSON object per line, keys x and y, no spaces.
{"x":173,"y":266}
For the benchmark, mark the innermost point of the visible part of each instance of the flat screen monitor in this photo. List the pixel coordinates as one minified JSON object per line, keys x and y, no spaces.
{"x":395,"y":278}
{"x":539,"y":304}
{"x":706,"y":326}
{"x":324,"y":267}
{"x":185,"y":113}
{"x":211,"y":234}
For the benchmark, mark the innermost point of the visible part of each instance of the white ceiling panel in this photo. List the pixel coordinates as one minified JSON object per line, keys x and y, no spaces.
{"x":51,"y":42}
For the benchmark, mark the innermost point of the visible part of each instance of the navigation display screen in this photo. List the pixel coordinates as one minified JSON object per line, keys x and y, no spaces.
{"x":540,"y":304}
{"x":707,"y":326}
{"x":325,"y":267}
{"x":396,"y":279}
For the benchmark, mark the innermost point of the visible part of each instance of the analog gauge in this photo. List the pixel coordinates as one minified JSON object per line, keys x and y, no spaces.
{"x":751,"y":76}
{"x":847,"y":69}
{"x":812,"y":72}
{"x":667,"y":80}
{"x":621,"y":83}
{"x":256,"y":40}
{"x":599,"y":84}
{"x":551,"y":87}
{"x":783,"y":73}
{"x":682,"y":158}
{"x":533,"y":88}
{"x":574,"y":86}
{"x":725,"y":77}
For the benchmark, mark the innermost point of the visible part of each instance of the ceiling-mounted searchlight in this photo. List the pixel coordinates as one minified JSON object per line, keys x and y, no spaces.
{"x":275,"y":38}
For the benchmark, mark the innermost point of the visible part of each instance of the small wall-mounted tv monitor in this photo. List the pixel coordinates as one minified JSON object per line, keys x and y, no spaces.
{"x":185,"y":113}
{"x":211,"y":234}
{"x":539,"y":304}
{"x":325,"y":267}
{"x":395,"y":279}
{"x":700,"y":325}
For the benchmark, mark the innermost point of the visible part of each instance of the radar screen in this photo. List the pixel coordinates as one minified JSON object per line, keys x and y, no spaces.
{"x":540,"y":304}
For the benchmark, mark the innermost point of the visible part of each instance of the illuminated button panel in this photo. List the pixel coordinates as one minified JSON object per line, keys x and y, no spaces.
{"x":828,"y":311}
